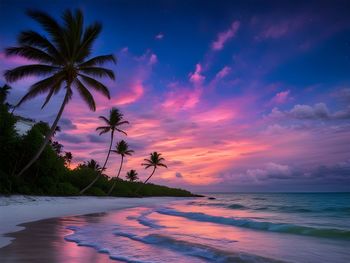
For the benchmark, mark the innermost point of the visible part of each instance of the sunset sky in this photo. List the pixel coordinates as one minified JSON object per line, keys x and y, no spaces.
{"x":237,"y":96}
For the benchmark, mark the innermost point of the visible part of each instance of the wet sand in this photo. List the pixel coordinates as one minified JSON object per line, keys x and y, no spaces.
{"x":43,"y":242}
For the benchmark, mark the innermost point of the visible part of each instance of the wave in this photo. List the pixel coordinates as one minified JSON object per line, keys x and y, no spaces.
{"x":237,"y":206}
{"x":259,"y":225}
{"x":278,"y":208}
{"x":201,"y":251}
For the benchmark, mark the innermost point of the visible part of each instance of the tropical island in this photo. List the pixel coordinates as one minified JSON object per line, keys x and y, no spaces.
{"x":32,"y":161}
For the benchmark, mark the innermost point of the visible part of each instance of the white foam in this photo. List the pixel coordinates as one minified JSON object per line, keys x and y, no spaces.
{"x":19,"y":209}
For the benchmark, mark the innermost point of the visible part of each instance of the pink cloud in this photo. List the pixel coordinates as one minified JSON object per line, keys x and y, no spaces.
{"x":153,"y":59}
{"x":223,"y":72}
{"x":133,"y":94}
{"x":182,"y":98}
{"x":196,"y":77}
{"x":223,"y":37}
{"x":275,"y":30}
{"x":281,"y":97}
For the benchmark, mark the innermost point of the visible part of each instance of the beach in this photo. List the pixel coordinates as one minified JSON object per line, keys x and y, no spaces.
{"x":227,"y":228}
{"x":19,"y":209}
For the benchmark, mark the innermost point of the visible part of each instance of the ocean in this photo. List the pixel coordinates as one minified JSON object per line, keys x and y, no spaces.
{"x":237,"y":227}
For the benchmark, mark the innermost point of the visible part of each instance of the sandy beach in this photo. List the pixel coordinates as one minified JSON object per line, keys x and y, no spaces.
{"x":16,"y":210}
{"x":49,"y":244}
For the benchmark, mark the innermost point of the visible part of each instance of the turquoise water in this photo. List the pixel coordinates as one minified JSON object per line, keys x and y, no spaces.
{"x":230,"y":228}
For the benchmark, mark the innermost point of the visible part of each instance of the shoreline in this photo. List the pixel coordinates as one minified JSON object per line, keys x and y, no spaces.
{"x":50,"y":245}
{"x":19,"y":209}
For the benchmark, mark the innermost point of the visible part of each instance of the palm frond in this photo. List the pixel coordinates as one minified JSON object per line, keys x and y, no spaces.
{"x":98,"y":72}
{"x":86,"y":95}
{"x":33,"y":92}
{"x":30,"y":53}
{"x":54,"y":90}
{"x":33,"y":38}
{"x":90,"y":34}
{"x":96,"y":85}
{"x":104,"y":119}
{"x":97,"y":61}
{"x":51,"y":26}
{"x":28,"y":70}
{"x":119,"y":130}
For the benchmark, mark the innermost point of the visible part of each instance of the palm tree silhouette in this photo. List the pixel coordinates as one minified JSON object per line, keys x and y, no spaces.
{"x":132,"y":175}
{"x":113,"y":123}
{"x":93,"y":165}
{"x":64,"y":59}
{"x":154,"y":161}
{"x":68,"y":156}
{"x":4,"y":92}
{"x":121,"y":148}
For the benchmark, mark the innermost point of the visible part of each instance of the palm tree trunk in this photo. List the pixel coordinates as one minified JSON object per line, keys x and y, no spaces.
{"x":115,"y":181}
{"x":103,"y":168}
{"x":48,"y":136}
{"x":154,"y":169}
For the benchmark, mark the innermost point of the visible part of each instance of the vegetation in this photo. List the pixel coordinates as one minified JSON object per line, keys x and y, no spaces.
{"x":51,"y":175}
{"x":112,"y":124}
{"x":34,"y":163}
{"x":132,"y":176}
{"x":63,"y":57}
{"x":154,"y":161}
{"x":121,"y":148}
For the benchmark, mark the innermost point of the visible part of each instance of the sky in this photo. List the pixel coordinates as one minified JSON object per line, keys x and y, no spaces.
{"x":236,"y":95}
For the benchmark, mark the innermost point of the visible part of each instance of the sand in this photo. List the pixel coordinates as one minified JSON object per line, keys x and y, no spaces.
{"x":16,"y":210}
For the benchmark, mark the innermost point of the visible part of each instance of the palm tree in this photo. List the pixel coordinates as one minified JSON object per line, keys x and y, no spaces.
{"x":154,"y":161}
{"x":68,"y":156}
{"x":113,"y":123}
{"x":93,"y":165}
{"x":121,"y":148}
{"x":132,"y":175}
{"x":64,"y":58}
{"x":4,"y":92}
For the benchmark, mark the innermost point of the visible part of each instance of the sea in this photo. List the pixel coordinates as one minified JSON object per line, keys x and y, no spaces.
{"x":235,"y":227}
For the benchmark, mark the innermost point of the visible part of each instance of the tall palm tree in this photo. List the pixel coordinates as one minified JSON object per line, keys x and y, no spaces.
{"x":121,"y":148}
{"x":154,"y":161}
{"x":112,"y":124}
{"x":132,"y":175}
{"x":64,"y":58}
{"x":4,"y":92}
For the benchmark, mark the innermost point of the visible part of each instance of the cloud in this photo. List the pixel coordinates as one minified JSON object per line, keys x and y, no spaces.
{"x":270,"y":170}
{"x":178,"y":175}
{"x":95,"y":138}
{"x":196,"y":77}
{"x":67,"y":124}
{"x":159,"y":36}
{"x":281,"y":97}
{"x":70,"y":138}
{"x":275,"y":31}
{"x":223,"y":37}
{"x":181,"y":98}
{"x":153,"y":59}
{"x":319,"y":111}
{"x":223,"y":73}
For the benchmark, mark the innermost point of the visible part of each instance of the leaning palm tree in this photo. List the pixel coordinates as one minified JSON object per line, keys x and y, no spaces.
{"x":154,"y":161}
{"x":64,"y":58}
{"x":122,"y":148}
{"x":112,"y":124}
{"x":132,"y":175}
